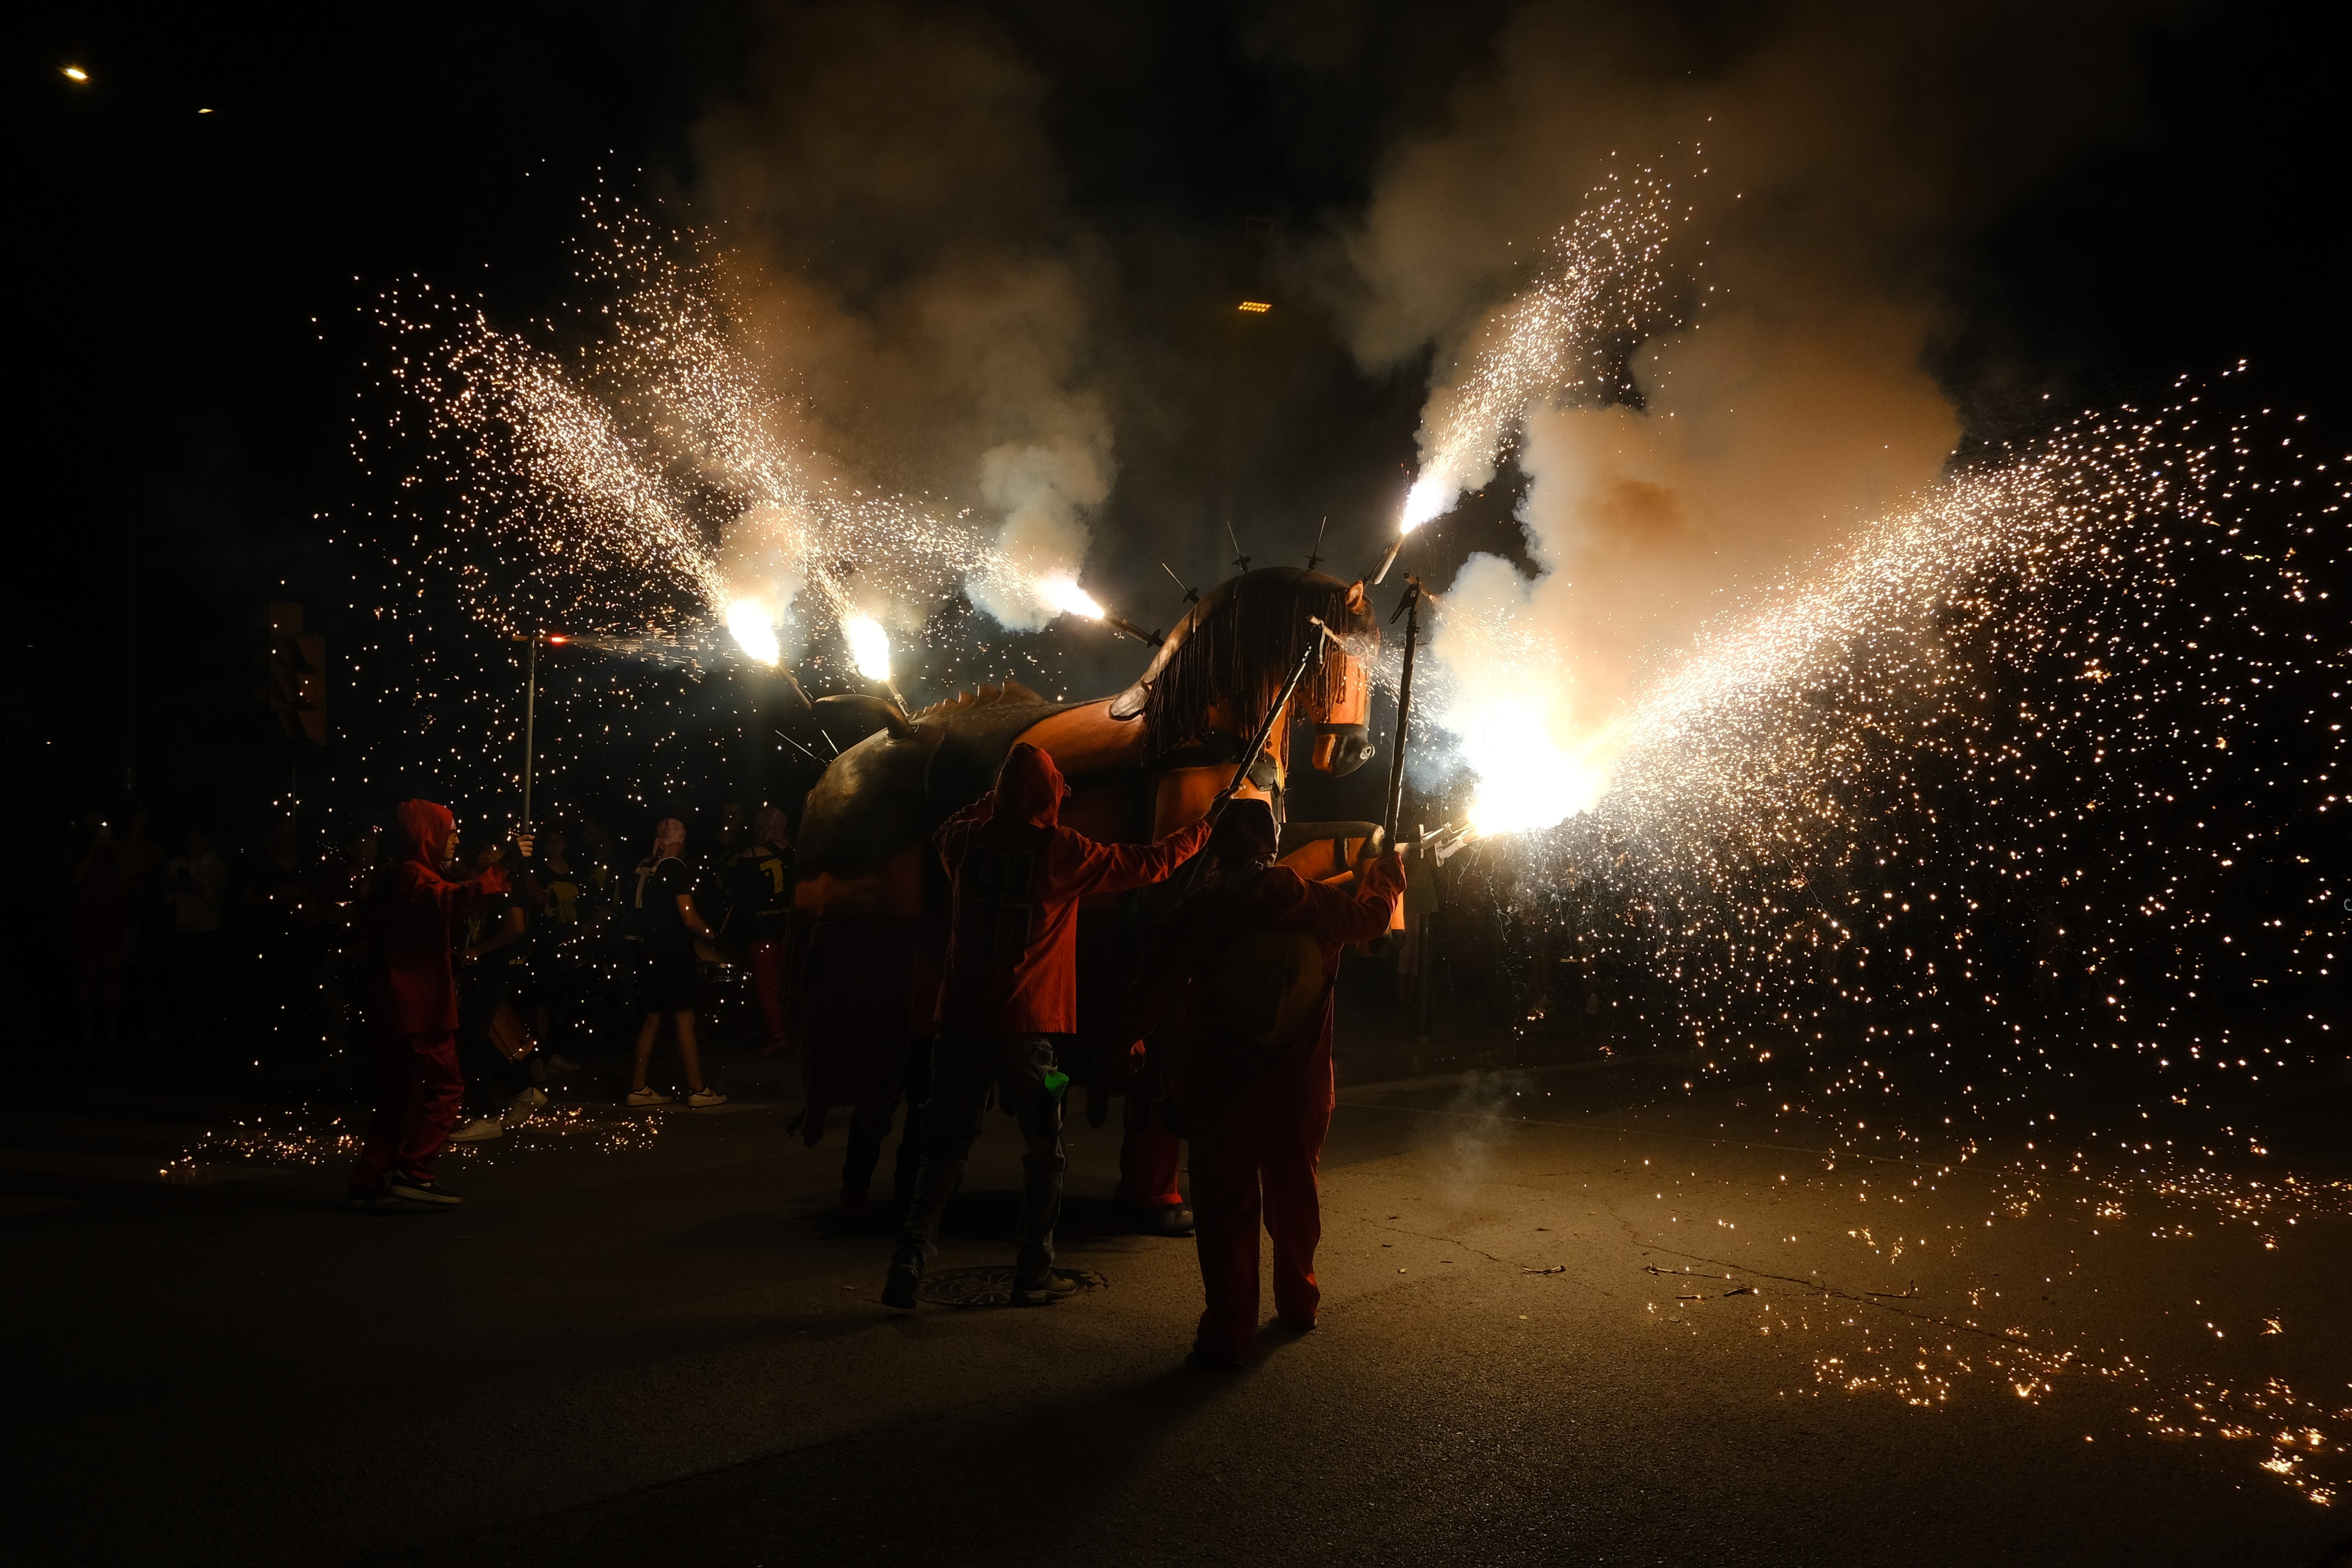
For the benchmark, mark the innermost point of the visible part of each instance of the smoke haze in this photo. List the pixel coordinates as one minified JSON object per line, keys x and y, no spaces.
{"x":1833,"y":158}
{"x":915,"y":275}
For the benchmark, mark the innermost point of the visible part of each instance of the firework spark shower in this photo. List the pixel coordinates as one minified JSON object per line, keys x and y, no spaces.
{"x":658,"y":476}
{"x":1852,"y":1074}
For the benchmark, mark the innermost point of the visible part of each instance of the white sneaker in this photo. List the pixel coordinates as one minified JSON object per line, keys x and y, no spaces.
{"x":647,"y":1097}
{"x":560,"y":1062}
{"x":480,"y":1128}
{"x":706,"y":1097}
{"x":531,"y":1097}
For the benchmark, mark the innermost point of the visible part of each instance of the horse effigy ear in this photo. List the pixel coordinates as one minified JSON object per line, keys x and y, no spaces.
{"x":1358,"y":602}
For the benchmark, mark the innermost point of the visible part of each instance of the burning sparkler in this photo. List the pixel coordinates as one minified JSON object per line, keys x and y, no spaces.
{"x":869,"y":649}
{"x":1599,"y":288}
{"x":754,"y":631}
{"x":1064,"y":596}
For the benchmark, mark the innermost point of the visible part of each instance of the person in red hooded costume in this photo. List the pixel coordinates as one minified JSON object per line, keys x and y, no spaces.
{"x":413,"y":1012}
{"x":1017,"y":875}
{"x":1248,"y":962}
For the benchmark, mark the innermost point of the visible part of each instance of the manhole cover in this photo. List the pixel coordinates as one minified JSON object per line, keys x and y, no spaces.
{"x":991,"y":1286}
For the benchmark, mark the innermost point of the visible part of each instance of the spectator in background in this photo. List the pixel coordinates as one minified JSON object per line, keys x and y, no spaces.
{"x":608,"y":958}
{"x":338,"y":891}
{"x":596,"y":860}
{"x":714,"y":894}
{"x":413,"y":1013}
{"x":559,"y":904}
{"x":492,"y":1044}
{"x":729,"y":832}
{"x":760,"y":878}
{"x":146,"y":924}
{"x":662,"y":910}
{"x":100,"y":934}
{"x":196,"y":892}
{"x":273,"y":889}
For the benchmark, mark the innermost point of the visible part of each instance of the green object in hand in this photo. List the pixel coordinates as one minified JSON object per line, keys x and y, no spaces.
{"x":1056,"y":1081}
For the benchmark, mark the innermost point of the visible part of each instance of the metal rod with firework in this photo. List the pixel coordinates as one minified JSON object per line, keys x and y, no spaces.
{"x":1117,"y":622}
{"x":530,"y":710}
{"x":1307,"y":661}
{"x":530,"y":724}
{"x":1410,"y":609}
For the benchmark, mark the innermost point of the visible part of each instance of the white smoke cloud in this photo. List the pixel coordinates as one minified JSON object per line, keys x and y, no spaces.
{"x":1846,"y":151}
{"x":910,"y":269}
{"x":1044,"y":491}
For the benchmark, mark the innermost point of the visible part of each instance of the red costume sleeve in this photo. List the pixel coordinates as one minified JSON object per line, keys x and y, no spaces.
{"x":1346,"y":920}
{"x":455,"y":900}
{"x":1078,"y":865}
{"x":951,"y":836}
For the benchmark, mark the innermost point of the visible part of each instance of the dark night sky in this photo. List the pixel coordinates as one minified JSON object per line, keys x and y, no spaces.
{"x":167,"y":359}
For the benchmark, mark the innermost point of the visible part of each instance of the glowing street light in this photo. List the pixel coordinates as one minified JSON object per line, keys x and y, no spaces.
{"x":75,"y":73}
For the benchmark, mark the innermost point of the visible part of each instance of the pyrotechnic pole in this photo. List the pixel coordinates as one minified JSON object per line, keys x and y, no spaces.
{"x":1307,"y":661}
{"x":1410,"y":610}
{"x":1257,"y":742}
{"x":530,"y":723}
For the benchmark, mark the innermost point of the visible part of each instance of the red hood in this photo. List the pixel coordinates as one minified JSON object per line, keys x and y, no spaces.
{"x":1029,"y":788}
{"x":427,"y":826}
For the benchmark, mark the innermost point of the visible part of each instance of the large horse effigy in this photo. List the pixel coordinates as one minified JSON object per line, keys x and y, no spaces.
{"x":870,"y":917}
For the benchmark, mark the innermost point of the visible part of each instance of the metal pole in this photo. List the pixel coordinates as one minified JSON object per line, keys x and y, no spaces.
{"x":1257,"y":742}
{"x":529,"y":721}
{"x":1307,"y":661}
{"x":137,"y":479}
{"x":1411,"y":609}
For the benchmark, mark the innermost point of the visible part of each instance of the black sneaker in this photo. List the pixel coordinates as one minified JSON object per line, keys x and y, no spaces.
{"x":409,"y":1190}
{"x":1053,"y":1288}
{"x":898,"y":1287}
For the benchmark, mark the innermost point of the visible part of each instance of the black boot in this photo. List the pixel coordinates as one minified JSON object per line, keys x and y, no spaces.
{"x":1034,"y":1283}
{"x":900,"y":1285}
{"x":934,"y":1185}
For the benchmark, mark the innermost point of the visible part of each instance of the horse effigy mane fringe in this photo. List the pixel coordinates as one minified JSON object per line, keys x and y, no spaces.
{"x":1240,"y":651}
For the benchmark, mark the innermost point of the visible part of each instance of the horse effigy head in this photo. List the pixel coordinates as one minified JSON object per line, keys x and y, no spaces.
{"x":1230,"y":657}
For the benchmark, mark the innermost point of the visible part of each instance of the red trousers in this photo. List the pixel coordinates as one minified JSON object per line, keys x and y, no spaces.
{"x":1148,"y":1156}
{"x":418,"y":1090}
{"x":1253,"y":1158}
{"x":766,"y":955}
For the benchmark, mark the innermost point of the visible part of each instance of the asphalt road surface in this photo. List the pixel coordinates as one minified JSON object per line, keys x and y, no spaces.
{"x":1560,"y":1327}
